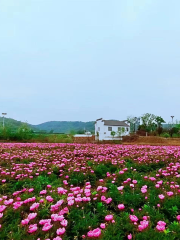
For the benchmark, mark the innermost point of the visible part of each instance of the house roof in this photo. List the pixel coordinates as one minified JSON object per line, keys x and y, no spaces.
{"x":115,"y":123}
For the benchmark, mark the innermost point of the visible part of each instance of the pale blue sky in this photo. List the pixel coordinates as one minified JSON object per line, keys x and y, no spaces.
{"x":82,"y":60}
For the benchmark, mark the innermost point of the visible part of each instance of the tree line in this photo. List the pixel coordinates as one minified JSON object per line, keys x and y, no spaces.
{"x":153,"y":125}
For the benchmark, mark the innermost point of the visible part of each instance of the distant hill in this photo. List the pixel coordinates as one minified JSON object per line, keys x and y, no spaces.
{"x":11,"y":123}
{"x":65,"y":126}
{"x":53,"y":126}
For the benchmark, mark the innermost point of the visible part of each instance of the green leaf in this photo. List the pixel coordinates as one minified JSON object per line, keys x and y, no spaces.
{"x":99,"y":205}
{"x":174,"y":208}
{"x":166,"y":231}
{"x":94,"y":193}
{"x":175,"y":223}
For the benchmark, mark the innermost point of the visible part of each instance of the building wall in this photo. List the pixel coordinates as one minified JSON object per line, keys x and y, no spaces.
{"x":104,"y":134}
{"x":99,"y":124}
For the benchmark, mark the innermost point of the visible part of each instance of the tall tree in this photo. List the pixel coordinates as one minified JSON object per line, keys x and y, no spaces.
{"x":148,"y":121}
{"x":151,"y":122}
{"x":159,"y":120}
{"x":132,"y":121}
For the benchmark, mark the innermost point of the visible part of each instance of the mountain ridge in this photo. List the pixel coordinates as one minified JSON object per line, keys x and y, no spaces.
{"x":52,"y":126}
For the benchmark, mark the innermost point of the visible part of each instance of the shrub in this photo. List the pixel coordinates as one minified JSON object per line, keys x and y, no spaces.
{"x":165,"y":135}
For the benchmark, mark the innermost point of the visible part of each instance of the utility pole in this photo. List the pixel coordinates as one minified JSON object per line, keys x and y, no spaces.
{"x":172,"y":119}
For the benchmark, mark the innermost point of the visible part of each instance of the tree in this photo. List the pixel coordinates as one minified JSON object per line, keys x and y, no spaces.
{"x":121,"y":131}
{"x":132,"y":121}
{"x":148,"y":122}
{"x":159,"y":130}
{"x":72,"y":132}
{"x":159,"y":120}
{"x":80,"y":131}
{"x":113,"y":133}
{"x":5,"y":133}
{"x":25,"y":132}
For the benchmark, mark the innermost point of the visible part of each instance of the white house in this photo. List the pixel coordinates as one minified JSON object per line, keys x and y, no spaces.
{"x":104,"y":129}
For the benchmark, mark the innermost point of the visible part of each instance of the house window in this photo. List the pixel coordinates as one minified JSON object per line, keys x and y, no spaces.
{"x":109,"y":128}
{"x":127,"y":129}
{"x":119,"y":128}
{"x":98,"y":128}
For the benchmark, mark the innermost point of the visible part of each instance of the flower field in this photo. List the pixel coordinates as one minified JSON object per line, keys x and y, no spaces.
{"x":89,"y":191}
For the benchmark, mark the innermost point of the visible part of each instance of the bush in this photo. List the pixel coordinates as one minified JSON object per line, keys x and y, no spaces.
{"x":165,"y":135}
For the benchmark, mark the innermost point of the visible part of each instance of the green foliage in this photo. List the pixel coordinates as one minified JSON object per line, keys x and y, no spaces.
{"x":159,"y":120}
{"x":113,"y":133}
{"x":85,"y":216}
{"x":77,"y":178}
{"x":101,"y":169}
{"x":121,"y":131}
{"x":165,"y":135}
{"x":150,"y":122}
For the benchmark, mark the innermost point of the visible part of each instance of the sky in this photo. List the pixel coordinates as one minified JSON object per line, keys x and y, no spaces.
{"x":79,"y":60}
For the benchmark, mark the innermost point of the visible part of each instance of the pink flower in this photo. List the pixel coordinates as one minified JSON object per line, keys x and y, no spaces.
{"x":49,"y":199}
{"x":97,"y":232}
{"x":64,"y":223}
{"x":34,"y":206}
{"x":160,"y":228}
{"x":43,"y":192}
{"x":129,"y":237}
{"x":57,"y":238}
{"x":46,"y":227}
{"x":170,"y":194}
{"x":108,"y":200}
{"x":133,"y":218}
{"x":109,"y":217}
{"x":32,"y":216}
{"x":2,"y":208}
{"x":94,"y":233}
{"x":44,"y":221}
{"x":178,"y":217}
{"x":143,"y":225}
{"x":31,"y":190}
{"x":70,"y":202}
{"x":25,"y":221}
{"x":120,"y":188}
{"x":60,"y":231}
{"x":161,"y":196}
{"x":103,"y":198}
{"x":121,"y":206}
{"x":162,"y":223}
{"x":90,"y":234}
{"x":134,"y":181}
{"x":32,"y":228}
{"x":103,"y":225}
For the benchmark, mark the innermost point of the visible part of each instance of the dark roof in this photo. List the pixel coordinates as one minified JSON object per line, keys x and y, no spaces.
{"x":115,"y":123}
